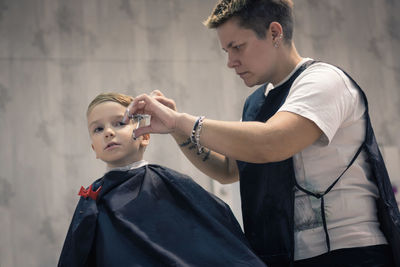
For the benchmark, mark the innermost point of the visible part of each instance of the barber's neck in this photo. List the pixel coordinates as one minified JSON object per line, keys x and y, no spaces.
{"x":287,"y":61}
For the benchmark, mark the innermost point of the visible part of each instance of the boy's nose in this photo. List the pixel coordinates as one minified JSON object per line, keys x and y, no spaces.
{"x":109,"y":132}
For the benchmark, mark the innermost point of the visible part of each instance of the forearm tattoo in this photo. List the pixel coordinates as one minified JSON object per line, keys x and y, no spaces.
{"x":192,"y":147}
{"x":186,"y":143}
{"x":205,"y":154}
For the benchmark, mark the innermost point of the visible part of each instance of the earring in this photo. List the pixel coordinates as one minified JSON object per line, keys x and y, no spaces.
{"x":276,"y":45}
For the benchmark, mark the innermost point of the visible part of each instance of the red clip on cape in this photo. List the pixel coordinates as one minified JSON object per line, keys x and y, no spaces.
{"x":89,"y":192}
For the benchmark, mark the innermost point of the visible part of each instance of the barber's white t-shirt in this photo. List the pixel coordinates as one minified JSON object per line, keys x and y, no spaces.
{"x":325,"y":95}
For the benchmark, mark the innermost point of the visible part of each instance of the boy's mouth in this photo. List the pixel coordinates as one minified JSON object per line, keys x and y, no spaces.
{"x":111,"y":145}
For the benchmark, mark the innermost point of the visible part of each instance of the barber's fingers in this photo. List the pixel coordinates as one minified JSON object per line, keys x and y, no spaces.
{"x":127,"y":113}
{"x":137,"y":104}
{"x":166,"y":102}
{"x":160,"y":97}
{"x":141,"y":131}
{"x":147,"y":104}
{"x":156,"y":93}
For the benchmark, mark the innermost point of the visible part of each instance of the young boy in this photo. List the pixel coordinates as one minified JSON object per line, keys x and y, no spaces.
{"x":146,"y":215}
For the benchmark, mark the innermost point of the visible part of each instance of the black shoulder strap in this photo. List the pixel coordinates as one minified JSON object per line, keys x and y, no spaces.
{"x":321,"y":195}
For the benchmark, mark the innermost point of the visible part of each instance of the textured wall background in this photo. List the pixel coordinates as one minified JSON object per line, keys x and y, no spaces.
{"x":55,"y":56}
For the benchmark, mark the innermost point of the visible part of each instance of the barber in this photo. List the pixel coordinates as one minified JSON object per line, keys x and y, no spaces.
{"x":312,"y":179}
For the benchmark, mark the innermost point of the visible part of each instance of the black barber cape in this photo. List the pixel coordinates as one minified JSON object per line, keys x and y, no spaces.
{"x":154,"y":216}
{"x":267,"y":190}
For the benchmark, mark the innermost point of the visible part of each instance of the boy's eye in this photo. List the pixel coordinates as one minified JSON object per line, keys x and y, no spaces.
{"x":98,"y":129}
{"x":120,"y":123}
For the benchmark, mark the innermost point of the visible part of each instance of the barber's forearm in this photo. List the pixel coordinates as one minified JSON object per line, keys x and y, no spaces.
{"x":246,"y":141}
{"x":210,"y":163}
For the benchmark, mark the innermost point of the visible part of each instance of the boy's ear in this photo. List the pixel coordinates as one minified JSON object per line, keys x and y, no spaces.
{"x":94,"y":151}
{"x":145,"y":140}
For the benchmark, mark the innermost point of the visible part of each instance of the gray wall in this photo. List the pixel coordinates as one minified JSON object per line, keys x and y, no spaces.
{"x":55,"y":56}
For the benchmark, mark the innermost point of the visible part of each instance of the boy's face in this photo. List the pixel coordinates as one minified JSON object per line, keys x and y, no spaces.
{"x":111,"y":139}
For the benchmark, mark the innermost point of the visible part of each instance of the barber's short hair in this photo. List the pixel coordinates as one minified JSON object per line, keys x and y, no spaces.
{"x":122,"y":99}
{"x":256,"y":15}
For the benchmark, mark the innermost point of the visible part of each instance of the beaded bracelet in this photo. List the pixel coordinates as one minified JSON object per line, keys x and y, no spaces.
{"x":200,"y":148}
{"x":192,"y":136}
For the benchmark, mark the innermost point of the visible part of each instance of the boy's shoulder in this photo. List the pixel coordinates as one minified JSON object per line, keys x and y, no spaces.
{"x":186,"y":186}
{"x":167,"y":171}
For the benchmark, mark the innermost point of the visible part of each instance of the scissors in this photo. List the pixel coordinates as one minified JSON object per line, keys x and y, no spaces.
{"x":139,"y":117}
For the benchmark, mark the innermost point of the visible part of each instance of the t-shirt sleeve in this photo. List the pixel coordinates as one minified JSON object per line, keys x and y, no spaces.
{"x":321,"y":94}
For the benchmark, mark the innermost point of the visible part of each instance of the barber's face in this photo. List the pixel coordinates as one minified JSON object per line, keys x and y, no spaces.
{"x":252,"y":58}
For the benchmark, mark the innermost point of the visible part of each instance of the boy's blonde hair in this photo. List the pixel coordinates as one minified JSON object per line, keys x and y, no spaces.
{"x":122,"y":99}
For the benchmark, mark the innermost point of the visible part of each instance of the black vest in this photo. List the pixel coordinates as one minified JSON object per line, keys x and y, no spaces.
{"x":267,"y":190}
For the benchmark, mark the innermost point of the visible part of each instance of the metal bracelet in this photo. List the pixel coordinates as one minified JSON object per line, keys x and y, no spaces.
{"x":200,"y":149}
{"x":193,"y":135}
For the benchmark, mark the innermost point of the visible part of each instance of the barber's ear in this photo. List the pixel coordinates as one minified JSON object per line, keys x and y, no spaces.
{"x":145,"y":140}
{"x":276,"y":30}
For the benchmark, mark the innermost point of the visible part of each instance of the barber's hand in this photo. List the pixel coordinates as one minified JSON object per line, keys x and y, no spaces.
{"x":160,"y":97}
{"x":161,"y":109}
